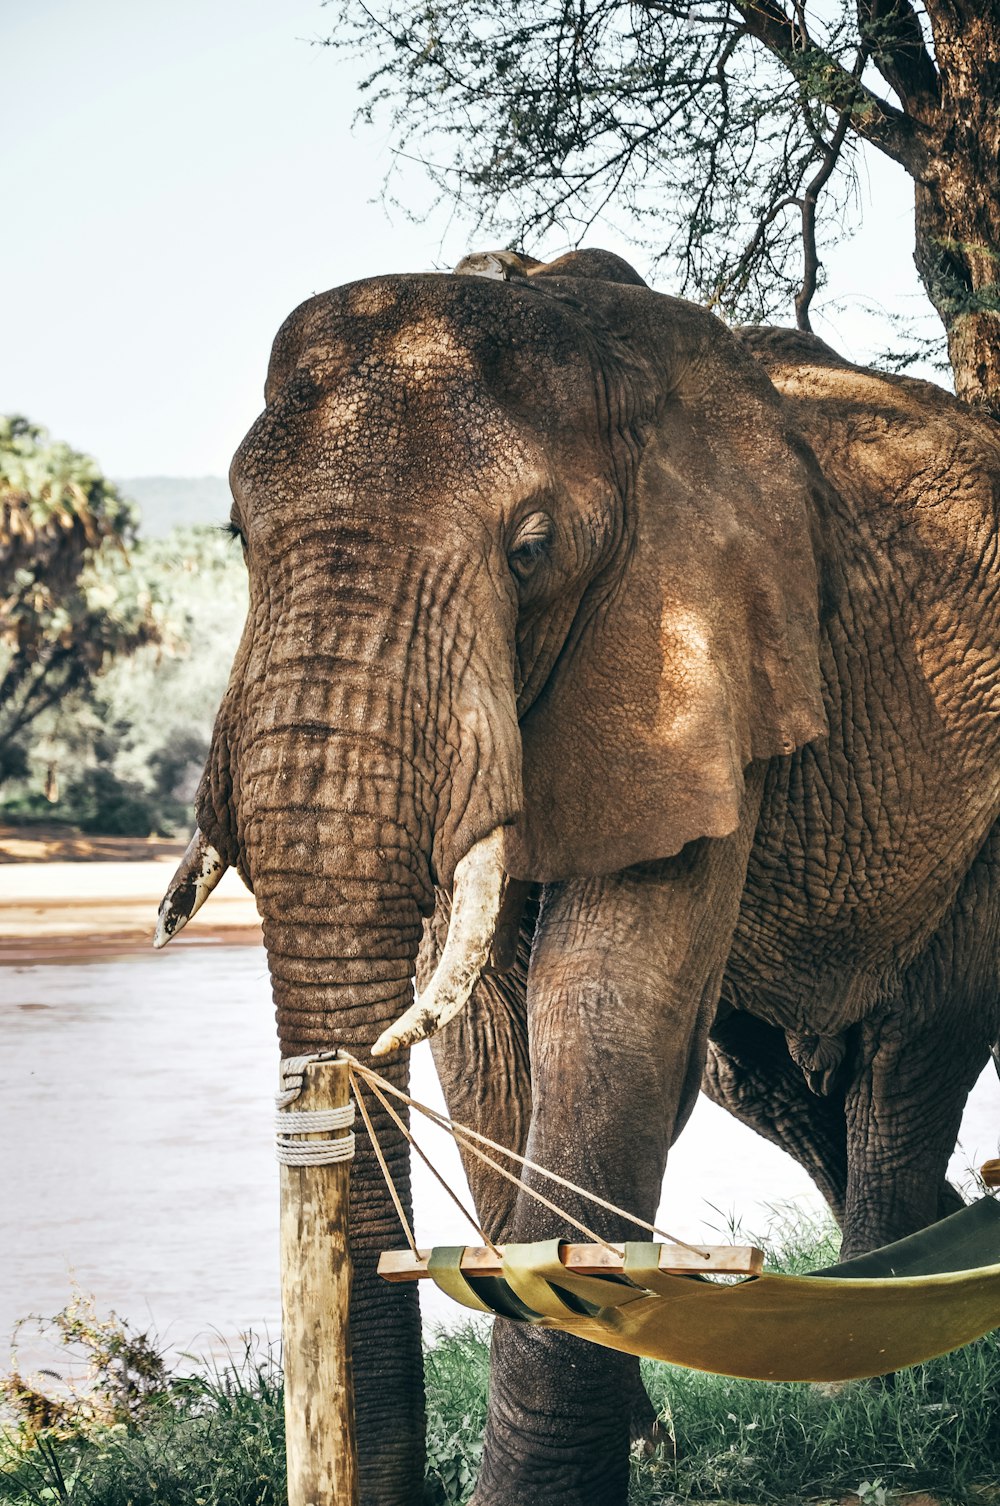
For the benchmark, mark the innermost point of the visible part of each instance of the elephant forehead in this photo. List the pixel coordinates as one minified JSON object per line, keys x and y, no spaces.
{"x":423,"y":352}
{"x":513,"y":340}
{"x":386,"y":437}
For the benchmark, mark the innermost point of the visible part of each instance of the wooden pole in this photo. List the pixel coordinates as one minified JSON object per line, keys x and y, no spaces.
{"x":315,"y":1297}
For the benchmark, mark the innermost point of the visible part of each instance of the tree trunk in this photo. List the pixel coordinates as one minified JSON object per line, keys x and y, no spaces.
{"x":957,"y":249}
{"x":957,"y":254}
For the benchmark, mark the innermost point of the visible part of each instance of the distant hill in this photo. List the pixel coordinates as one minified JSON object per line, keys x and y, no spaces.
{"x":167,"y":501}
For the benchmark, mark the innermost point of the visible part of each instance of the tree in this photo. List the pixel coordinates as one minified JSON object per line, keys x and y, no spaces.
{"x":162,"y":700}
{"x":69,"y":600}
{"x":122,"y":754}
{"x":733,"y":126}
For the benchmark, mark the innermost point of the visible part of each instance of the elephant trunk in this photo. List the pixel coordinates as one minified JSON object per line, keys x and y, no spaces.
{"x":359,"y":781}
{"x":367,"y":744}
{"x":341,"y":902}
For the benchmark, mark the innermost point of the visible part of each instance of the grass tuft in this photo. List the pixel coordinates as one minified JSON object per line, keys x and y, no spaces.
{"x":132,"y":1433}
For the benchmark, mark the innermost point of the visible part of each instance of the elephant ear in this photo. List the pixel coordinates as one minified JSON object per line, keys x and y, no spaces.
{"x":697,"y":649}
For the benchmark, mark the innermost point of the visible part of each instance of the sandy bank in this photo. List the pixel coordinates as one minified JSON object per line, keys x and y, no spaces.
{"x":50,"y":908}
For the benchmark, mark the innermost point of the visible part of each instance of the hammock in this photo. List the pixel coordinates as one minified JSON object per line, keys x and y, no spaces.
{"x":897,"y":1306}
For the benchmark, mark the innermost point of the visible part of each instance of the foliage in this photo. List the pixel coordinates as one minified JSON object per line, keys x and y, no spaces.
{"x":123,"y":753}
{"x":138,"y":1435}
{"x":133,"y":1434}
{"x":545,"y":113}
{"x":456,"y":1369}
{"x":930,"y":1429}
{"x":69,"y":598}
{"x":123,"y":1374}
{"x":729,"y":130}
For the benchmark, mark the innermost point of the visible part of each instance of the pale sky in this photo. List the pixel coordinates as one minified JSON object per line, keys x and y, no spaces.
{"x":179,"y":176}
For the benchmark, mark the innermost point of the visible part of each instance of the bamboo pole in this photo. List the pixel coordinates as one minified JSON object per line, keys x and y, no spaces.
{"x":315,"y":1296}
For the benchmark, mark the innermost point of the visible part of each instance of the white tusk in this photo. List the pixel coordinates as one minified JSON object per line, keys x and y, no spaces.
{"x":478,"y":889}
{"x":199,"y":871}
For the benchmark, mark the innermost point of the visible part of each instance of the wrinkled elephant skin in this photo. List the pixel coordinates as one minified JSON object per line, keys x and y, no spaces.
{"x":694,"y":633}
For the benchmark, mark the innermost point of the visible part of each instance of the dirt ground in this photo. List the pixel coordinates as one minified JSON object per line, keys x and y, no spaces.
{"x":54,"y":843}
{"x":62,"y":891}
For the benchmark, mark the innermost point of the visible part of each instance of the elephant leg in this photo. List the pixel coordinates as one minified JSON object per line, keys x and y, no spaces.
{"x":623,"y":985}
{"x":749,"y":1072}
{"x":916,"y":1065}
{"x":482,"y":1063}
{"x":903,"y":1116}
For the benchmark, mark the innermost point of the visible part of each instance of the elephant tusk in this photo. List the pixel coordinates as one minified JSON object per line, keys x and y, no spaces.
{"x":479,"y":882}
{"x":199,"y":871}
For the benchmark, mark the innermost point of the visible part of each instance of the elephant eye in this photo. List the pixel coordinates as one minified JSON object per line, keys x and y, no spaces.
{"x":530,"y":543}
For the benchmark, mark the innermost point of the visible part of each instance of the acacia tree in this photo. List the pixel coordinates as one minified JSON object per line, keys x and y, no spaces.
{"x":69,"y":600}
{"x":730,"y":128}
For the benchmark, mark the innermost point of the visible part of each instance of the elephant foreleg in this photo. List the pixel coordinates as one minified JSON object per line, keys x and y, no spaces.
{"x":623,"y":985}
{"x":482,"y":1063}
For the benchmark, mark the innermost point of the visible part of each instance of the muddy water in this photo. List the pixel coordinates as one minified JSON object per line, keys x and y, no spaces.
{"x":136,"y":1147}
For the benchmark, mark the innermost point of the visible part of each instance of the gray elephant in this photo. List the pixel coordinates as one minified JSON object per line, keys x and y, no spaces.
{"x":672,"y":655}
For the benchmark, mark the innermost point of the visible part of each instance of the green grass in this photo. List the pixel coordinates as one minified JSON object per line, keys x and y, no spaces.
{"x":209,"y":1440}
{"x":935,"y":1429}
{"x":137,"y":1436}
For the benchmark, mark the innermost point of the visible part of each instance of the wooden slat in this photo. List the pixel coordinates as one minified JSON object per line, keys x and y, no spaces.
{"x":587,"y":1260}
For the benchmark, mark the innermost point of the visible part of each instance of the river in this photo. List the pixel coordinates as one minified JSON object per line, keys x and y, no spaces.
{"x":137,"y":1153}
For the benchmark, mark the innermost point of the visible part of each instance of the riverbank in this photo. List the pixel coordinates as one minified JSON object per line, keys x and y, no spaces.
{"x":64,"y":893}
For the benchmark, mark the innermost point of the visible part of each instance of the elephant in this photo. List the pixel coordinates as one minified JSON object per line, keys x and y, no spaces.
{"x":634,"y":682}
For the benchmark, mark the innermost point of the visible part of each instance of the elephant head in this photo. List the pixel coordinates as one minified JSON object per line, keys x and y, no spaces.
{"x":533,"y":573}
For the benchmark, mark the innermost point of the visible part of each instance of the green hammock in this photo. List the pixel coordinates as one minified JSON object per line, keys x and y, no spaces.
{"x":899,"y":1305}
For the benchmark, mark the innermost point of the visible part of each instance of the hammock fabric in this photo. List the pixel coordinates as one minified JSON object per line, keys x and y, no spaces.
{"x":899,"y":1305}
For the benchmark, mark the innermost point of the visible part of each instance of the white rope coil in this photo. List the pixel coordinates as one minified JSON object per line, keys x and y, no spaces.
{"x":313,"y":1121}
{"x":315,"y":1152}
{"x":291,"y":1074}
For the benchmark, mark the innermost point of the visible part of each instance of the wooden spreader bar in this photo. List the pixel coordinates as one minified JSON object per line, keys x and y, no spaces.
{"x":587,"y":1260}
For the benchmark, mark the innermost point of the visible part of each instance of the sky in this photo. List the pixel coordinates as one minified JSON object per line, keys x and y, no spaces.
{"x":179,"y":176}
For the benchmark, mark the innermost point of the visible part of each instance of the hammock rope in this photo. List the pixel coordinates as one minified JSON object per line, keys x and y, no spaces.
{"x":467,"y":1138}
{"x":289,"y":1122}
{"x":397,"y":1202}
{"x":402,"y":1126}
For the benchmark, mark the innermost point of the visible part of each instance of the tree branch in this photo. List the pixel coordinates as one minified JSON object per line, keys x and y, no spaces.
{"x":810,"y":200}
{"x":893,"y":32}
{"x":810,"y":256}
{"x":875,"y":120}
